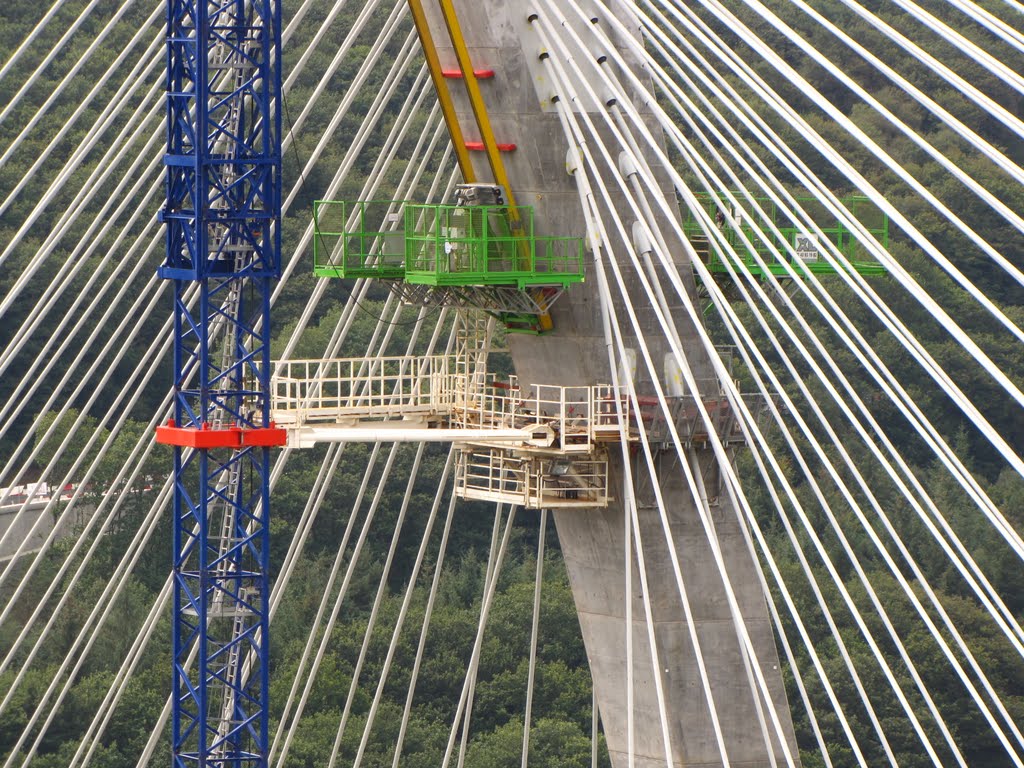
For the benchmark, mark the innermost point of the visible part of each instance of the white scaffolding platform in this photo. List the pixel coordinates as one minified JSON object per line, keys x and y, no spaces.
{"x":532,"y":480}
{"x":542,"y":446}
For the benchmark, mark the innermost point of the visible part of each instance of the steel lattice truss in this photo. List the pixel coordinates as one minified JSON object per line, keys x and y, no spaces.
{"x":222,"y":217}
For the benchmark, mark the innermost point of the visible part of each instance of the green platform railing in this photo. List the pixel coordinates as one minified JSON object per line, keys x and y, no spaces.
{"x":358,"y":239}
{"x":485,"y":245}
{"x":747,"y":236}
{"x":441,"y":245}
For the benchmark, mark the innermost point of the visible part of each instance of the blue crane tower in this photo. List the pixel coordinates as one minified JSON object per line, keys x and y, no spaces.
{"x":223,"y":222}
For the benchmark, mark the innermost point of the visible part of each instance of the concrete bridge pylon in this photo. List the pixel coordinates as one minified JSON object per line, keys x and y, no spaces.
{"x":522,"y":109}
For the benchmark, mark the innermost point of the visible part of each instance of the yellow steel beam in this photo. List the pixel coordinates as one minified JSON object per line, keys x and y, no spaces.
{"x":476,"y":101}
{"x":444,"y":97}
{"x":483,"y":122}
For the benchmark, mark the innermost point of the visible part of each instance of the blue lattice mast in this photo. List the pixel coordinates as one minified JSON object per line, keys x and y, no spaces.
{"x":222,"y":215}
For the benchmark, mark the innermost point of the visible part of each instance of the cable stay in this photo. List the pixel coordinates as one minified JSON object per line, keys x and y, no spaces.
{"x":694,"y":168}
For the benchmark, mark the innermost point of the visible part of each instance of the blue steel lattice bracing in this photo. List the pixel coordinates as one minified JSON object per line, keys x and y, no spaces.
{"x":222,"y":216}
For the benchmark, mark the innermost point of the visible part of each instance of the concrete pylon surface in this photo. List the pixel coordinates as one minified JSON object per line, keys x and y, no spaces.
{"x":520,"y":102}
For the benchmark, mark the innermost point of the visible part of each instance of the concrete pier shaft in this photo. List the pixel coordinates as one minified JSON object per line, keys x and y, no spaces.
{"x":520,"y":103}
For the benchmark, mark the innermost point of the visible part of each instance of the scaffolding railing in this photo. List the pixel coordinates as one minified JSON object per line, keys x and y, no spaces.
{"x":743,"y":232}
{"x":309,"y":391}
{"x":531,"y":480}
{"x":449,"y":393}
{"x":485,"y":245}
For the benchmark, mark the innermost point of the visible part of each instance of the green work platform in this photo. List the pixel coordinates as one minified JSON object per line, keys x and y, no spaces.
{"x":441,"y":245}
{"x":745,"y":237}
{"x":358,"y":239}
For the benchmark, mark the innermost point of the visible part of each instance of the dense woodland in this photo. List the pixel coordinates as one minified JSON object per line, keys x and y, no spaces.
{"x":562,"y":706}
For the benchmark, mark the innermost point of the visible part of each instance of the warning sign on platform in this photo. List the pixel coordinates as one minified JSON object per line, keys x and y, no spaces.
{"x":806,"y":247}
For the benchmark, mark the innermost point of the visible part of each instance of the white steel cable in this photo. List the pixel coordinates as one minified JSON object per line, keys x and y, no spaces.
{"x":947,"y":457}
{"x":538,"y":582}
{"x":991,"y":22}
{"x":120,"y":349}
{"x":68,"y":35}
{"x":869,"y":440}
{"x":406,"y":602}
{"x":378,"y":598}
{"x":405,"y":56}
{"x":108,"y":707}
{"x":786,"y":111}
{"x":894,"y":324}
{"x":922,"y":97}
{"x":31,"y":38}
{"x":101,"y":611}
{"x":490,"y":588}
{"x":603,"y":238}
{"x":473,"y":668}
{"x":586,"y":195}
{"x":354,"y":31}
{"x":905,"y":553}
{"x":80,"y":540}
{"x":332,"y":618}
{"x":691,"y":384}
{"x":421,"y":645}
{"x":132,"y":83}
{"x":382,"y":586}
{"x":870,"y":443}
{"x":749,"y":303}
{"x":98,"y":175}
{"x":79,"y":258}
{"x":960,"y":174}
{"x":613,"y":265}
{"x":972,"y":51}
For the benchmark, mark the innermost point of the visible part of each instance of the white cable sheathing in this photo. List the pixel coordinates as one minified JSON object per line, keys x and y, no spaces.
{"x":991,"y":22}
{"x":810,"y":351}
{"x":494,"y":555}
{"x":382,"y":587}
{"x":745,"y":642}
{"x":69,"y":35}
{"x":773,"y":100}
{"x":374,"y":179}
{"x":132,"y":314}
{"x":34,"y":34}
{"x":119,"y":347}
{"x":403,"y":611}
{"x":538,"y":583}
{"x":863,"y":288}
{"x":960,"y":84}
{"x":495,"y":561}
{"x":865,"y":489}
{"x":809,"y":331}
{"x":100,"y":175}
{"x":134,"y":81}
{"x":131,"y":470}
{"x":741,"y":630}
{"x":597,"y":239}
{"x":1005,"y":164}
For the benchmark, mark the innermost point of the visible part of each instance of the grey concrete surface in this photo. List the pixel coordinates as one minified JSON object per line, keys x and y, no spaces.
{"x":31,"y":527}
{"x":519,"y":100}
